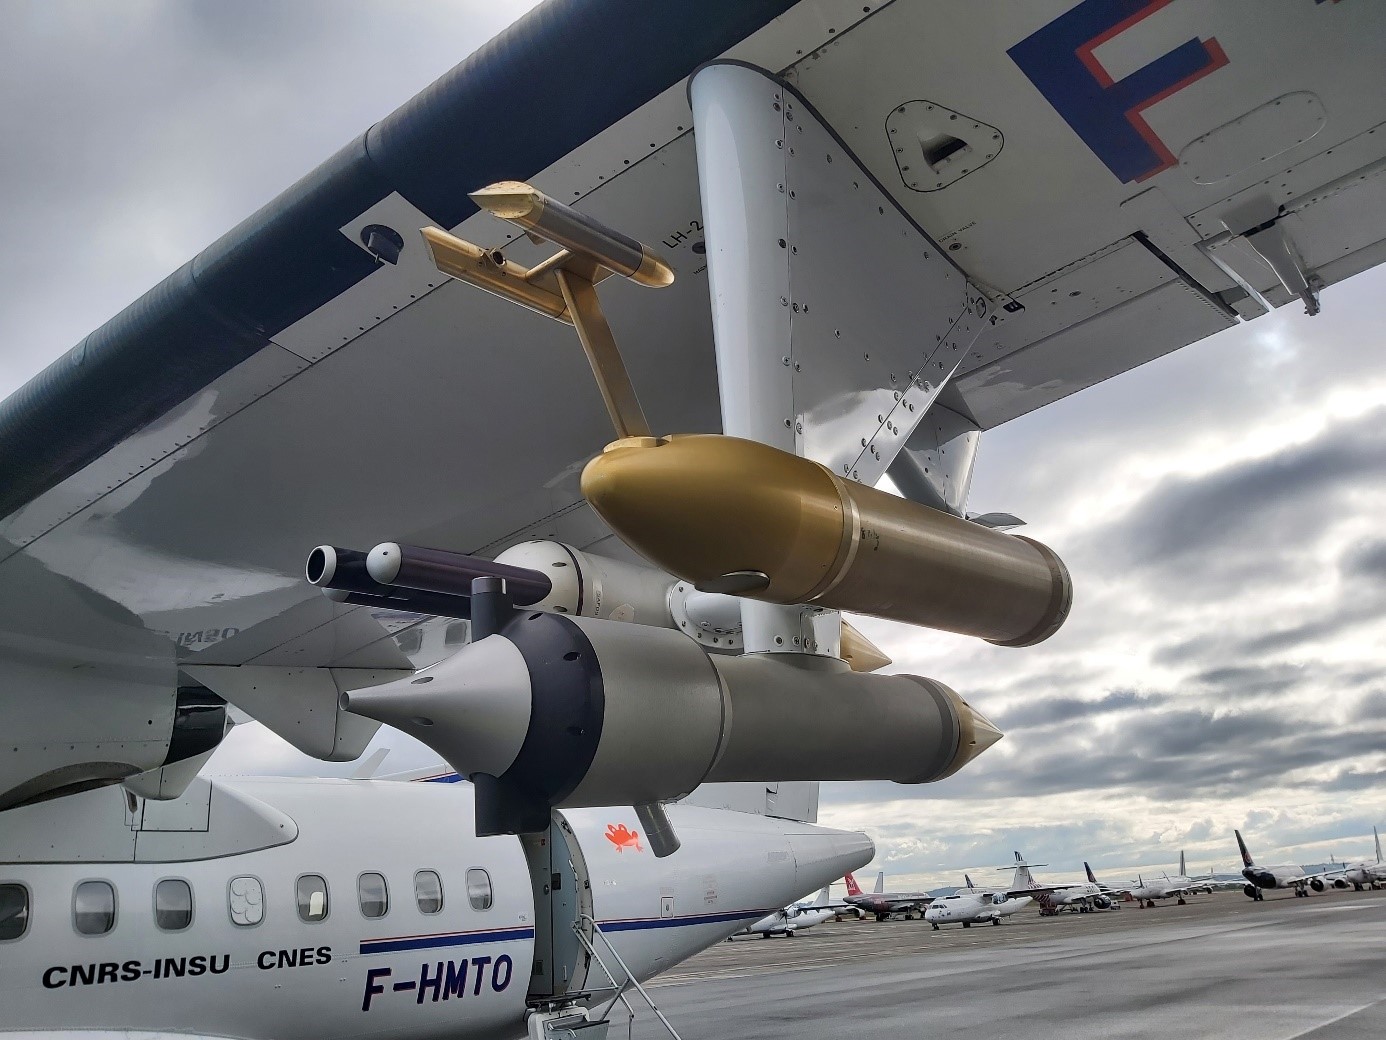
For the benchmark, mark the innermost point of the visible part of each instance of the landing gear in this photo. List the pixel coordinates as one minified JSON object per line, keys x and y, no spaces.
{"x":791,"y":934}
{"x":1183,"y":901}
{"x":967,"y":924}
{"x":881,"y":917}
{"x":995,"y":921}
{"x":935,"y":924}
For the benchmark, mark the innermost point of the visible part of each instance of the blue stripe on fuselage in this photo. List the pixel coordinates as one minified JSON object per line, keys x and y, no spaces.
{"x":452,"y":939}
{"x":442,"y":941}
{"x":645,"y":923}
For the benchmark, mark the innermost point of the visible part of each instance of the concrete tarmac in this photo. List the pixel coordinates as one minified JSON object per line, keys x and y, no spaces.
{"x":1221,"y":967}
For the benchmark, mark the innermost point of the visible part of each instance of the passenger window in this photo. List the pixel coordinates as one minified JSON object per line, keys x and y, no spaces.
{"x":478,"y":888}
{"x":245,"y":898}
{"x":374,"y":895}
{"x":428,"y":892}
{"x":312,"y":898}
{"x":93,"y":907}
{"x":456,"y":633}
{"x":14,"y":911}
{"x":173,"y":905}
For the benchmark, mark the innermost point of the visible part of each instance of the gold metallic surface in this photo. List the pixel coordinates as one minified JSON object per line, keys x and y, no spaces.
{"x":859,"y":652}
{"x":602,"y":353}
{"x":703,"y":505}
{"x":476,"y":266}
{"x":931,"y":568}
{"x":512,"y":200}
{"x":654,"y":270}
{"x":531,"y":209}
{"x":976,"y":732}
{"x":542,"y":273}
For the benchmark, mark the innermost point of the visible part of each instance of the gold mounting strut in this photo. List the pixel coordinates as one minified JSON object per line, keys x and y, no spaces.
{"x":563,"y":287}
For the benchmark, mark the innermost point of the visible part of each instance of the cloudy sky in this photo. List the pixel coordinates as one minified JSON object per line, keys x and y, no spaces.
{"x":1218,"y":509}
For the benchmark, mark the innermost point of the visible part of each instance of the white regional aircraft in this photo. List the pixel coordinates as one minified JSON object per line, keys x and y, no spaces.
{"x":793,"y":919}
{"x":897,"y":226}
{"x":971,"y":906}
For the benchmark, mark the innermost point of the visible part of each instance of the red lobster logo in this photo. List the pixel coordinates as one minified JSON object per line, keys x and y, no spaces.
{"x":623,"y":837}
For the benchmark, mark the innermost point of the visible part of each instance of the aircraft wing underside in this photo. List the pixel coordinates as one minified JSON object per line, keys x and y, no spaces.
{"x":1119,"y":177}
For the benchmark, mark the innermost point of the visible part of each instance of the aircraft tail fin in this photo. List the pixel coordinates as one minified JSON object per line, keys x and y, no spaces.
{"x":853,"y":889}
{"x":967,"y":878}
{"x":1088,"y":870}
{"x":880,"y":882}
{"x":1022,"y":878}
{"x":1377,"y":836}
{"x":822,"y":899}
{"x":1183,"y":868}
{"x":1241,"y":844}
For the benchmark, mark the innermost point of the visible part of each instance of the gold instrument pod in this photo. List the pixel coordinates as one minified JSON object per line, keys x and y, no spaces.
{"x":705,"y":506}
{"x":550,"y":219}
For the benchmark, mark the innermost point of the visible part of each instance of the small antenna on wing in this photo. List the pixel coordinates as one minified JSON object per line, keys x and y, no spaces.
{"x":563,"y":287}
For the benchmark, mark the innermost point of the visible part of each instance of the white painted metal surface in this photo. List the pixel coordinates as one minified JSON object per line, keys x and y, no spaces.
{"x":271,"y":975}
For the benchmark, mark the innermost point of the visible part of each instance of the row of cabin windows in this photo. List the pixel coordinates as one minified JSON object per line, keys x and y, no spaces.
{"x":94,"y":902}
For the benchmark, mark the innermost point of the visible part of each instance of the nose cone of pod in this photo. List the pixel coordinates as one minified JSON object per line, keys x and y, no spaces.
{"x":976,"y":734}
{"x":472,"y":708}
{"x":704,"y":507}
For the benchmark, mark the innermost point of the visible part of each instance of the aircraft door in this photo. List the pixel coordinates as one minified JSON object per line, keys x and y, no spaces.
{"x":562,"y":895}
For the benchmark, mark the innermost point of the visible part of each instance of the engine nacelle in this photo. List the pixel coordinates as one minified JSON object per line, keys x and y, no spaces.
{"x":1250,"y":891}
{"x":1102,"y":902}
{"x":565,"y":711}
{"x":1317,"y":884}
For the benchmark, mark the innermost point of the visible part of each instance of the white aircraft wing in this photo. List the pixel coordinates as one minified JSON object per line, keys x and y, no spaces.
{"x":1118,"y":177}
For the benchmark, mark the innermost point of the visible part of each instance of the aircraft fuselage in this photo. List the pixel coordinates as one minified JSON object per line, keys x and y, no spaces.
{"x":286,"y":909}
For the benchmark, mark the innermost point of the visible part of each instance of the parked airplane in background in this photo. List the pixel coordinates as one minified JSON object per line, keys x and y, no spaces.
{"x":795,"y":918}
{"x":885,"y":904}
{"x":1285,"y":876}
{"x":1082,"y":896}
{"x":1367,"y":873}
{"x":1203,"y":883}
{"x":1145,"y":892}
{"x":971,"y":906}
